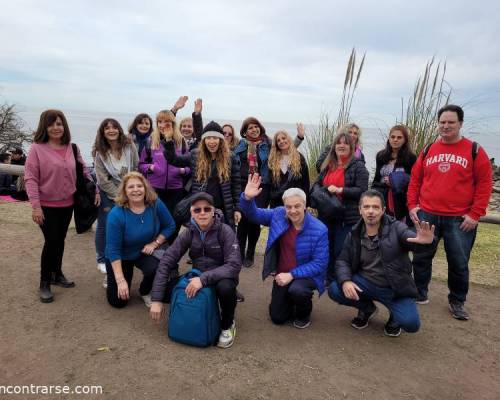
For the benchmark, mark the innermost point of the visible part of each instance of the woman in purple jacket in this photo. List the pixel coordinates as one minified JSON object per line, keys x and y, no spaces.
{"x":167,"y":179}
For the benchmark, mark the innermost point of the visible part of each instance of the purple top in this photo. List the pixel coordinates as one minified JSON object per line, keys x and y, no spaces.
{"x":164,"y":175}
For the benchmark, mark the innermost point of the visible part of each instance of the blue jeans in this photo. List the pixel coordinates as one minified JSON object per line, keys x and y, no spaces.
{"x":403,"y":309}
{"x":457,"y":245}
{"x":337,"y":232}
{"x":100,"y":232}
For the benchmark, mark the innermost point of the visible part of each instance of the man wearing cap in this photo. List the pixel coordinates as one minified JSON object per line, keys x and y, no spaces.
{"x":296,"y":253}
{"x":450,"y":187}
{"x":215,"y":171}
{"x":214,"y":250}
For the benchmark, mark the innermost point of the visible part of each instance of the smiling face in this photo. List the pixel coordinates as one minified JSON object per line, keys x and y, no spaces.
{"x":111,"y":132}
{"x":135,"y":191}
{"x":203,"y":214}
{"x":165,"y":126}
{"x":342,"y":148}
{"x":396,"y":140}
{"x":228,"y":133}
{"x":187,"y":128}
{"x":212,"y":144}
{"x":253,"y":131}
{"x":144,"y":126}
{"x":371,"y":210}
{"x":55,"y":131}
{"x":282,"y":142}
{"x":295,"y":209}
{"x":449,"y":127}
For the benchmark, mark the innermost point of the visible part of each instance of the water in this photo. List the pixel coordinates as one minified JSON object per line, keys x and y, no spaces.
{"x":84,"y":126}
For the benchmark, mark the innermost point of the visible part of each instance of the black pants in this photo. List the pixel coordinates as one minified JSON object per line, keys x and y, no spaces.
{"x":291,"y":301}
{"x":171,"y":197}
{"x":250,"y":231}
{"x":147,"y":264}
{"x":54,"y":228}
{"x":225,"y":290}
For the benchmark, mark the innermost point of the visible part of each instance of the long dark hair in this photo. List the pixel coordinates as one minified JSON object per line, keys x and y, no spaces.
{"x":102,"y":145}
{"x":404,"y":152}
{"x":47,"y":118}
{"x":137,"y":120}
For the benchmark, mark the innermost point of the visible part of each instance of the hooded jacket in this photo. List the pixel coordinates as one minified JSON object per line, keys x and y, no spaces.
{"x":216,"y":253}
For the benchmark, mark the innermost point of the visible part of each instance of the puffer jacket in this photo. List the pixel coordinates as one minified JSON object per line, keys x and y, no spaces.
{"x":230,"y":189}
{"x":216,"y":253}
{"x":355,"y":183}
{"x":311,"y":246}
{"x":393,"y":251}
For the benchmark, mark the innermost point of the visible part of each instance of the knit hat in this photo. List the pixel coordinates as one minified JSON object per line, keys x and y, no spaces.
{"x":212,"y":129}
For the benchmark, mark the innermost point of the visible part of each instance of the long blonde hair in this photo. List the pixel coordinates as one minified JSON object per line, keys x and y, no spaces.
{"x":222,"y":160}
{"x":176,"y":134}
{"x":276,"y":155}
{"x":332,"y":155}
{"x":150,"y":195}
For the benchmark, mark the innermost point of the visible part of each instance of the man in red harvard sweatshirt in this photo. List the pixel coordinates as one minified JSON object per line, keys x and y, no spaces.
{"x":450,"y":188}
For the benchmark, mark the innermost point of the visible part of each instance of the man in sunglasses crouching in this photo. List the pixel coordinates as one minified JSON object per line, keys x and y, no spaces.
{"x":214,"y":250}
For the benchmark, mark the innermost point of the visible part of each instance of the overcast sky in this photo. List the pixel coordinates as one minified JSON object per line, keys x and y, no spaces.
{"x":277,"y":60}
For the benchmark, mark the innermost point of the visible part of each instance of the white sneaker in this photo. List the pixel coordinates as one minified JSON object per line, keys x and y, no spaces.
{"x":105,"y":282}
{"x":226,"y":337}
{"x":147,"y":300}
{"x":102,"y":267}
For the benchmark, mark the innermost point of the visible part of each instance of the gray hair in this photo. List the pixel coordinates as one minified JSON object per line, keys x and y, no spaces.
{"x":295,"y":192}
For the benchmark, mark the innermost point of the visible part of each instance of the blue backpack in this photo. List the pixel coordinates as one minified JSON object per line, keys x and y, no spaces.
{"x":194,"y":321}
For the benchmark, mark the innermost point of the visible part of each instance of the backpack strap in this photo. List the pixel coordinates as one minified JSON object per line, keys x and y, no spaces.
{"x":475,"y":150}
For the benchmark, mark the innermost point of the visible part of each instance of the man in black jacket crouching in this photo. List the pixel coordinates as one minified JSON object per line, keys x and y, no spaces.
{"x":374,"y":266}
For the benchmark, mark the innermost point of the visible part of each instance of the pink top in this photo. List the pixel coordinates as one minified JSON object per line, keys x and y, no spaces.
{"x":50,"y":175}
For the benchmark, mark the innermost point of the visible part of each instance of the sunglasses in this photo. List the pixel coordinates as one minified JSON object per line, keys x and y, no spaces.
{"x":198,"y":210}
{"x":227,"y":134}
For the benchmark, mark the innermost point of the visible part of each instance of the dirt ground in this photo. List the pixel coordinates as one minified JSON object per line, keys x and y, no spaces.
{"x":57,"y":343}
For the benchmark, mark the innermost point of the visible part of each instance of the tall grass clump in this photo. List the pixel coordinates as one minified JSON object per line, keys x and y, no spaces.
{"x":323,"y":135}
{"x":431,"y":92}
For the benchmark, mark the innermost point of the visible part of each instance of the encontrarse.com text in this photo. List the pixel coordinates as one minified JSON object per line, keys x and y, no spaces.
{"x":50,"y":389}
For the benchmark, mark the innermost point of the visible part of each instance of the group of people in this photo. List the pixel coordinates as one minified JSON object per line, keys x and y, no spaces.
{"x":357,"y":248}
{"x":13,"y":185}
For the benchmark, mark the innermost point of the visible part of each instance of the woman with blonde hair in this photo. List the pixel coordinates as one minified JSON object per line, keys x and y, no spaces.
{"x":288,"y":167}
{"x":136,"y":227}
{"x":115,"y":155}
{"x":215,"y":171}
{"x":354,"y":131}
{"x":167,"y":179}
{"x":342,"y":180}
{"x":230,"y":136}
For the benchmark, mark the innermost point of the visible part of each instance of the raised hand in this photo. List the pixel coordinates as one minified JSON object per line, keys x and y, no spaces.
{"x":425,"y":233}
{"x":198,"y":106}
{"x":181,"y":102}
{"x":253,"y":188}
{"x":301,"y":130}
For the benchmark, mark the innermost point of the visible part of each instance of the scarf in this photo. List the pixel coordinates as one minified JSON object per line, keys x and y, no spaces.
{"x":140,"y":139}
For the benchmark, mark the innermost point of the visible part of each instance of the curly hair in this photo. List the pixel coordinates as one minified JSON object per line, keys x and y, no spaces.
{"x":222,"y":160}
{"x":101,"y":144}
{"x":275,"y":156}
{"x":176,"y":134}
{"x":332,"y":158}
{"x":150,"y":195}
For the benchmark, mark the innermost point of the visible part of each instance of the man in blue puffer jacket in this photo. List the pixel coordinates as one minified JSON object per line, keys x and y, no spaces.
{"x":296,"y":253}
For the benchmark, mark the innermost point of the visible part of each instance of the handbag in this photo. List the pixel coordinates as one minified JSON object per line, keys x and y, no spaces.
{"x":161,"y":249}
{"x":328,"y":205}
{"x":85,"y":210}
{"x":182,"y":213}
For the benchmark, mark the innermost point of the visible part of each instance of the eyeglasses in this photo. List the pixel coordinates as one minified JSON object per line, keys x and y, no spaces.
{"x":198,"y":210}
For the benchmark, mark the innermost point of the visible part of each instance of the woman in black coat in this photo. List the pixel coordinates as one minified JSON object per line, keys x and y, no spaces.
{"x":392,"y":174}
{"x":343,"y":178}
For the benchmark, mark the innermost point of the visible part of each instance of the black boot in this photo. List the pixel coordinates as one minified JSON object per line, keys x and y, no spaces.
{"x":59,"y":279}
{"x":45,"y":293}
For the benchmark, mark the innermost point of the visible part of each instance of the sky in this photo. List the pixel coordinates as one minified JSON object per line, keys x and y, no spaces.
{"x":281,"y":61}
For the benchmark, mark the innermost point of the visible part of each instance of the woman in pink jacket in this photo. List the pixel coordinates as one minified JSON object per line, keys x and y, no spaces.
{"x":50,"y":175}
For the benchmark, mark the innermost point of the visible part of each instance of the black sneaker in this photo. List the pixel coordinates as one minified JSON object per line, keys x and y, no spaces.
{"x":45,"y":293}
{"x":239,"y":297}
{"x":458,"y":311}
{"x":421,"y":299}
{"x":363,"y":317}
{"x":391,"y":328}
{"x":302,"y":323}
{"x":248,"y":263}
